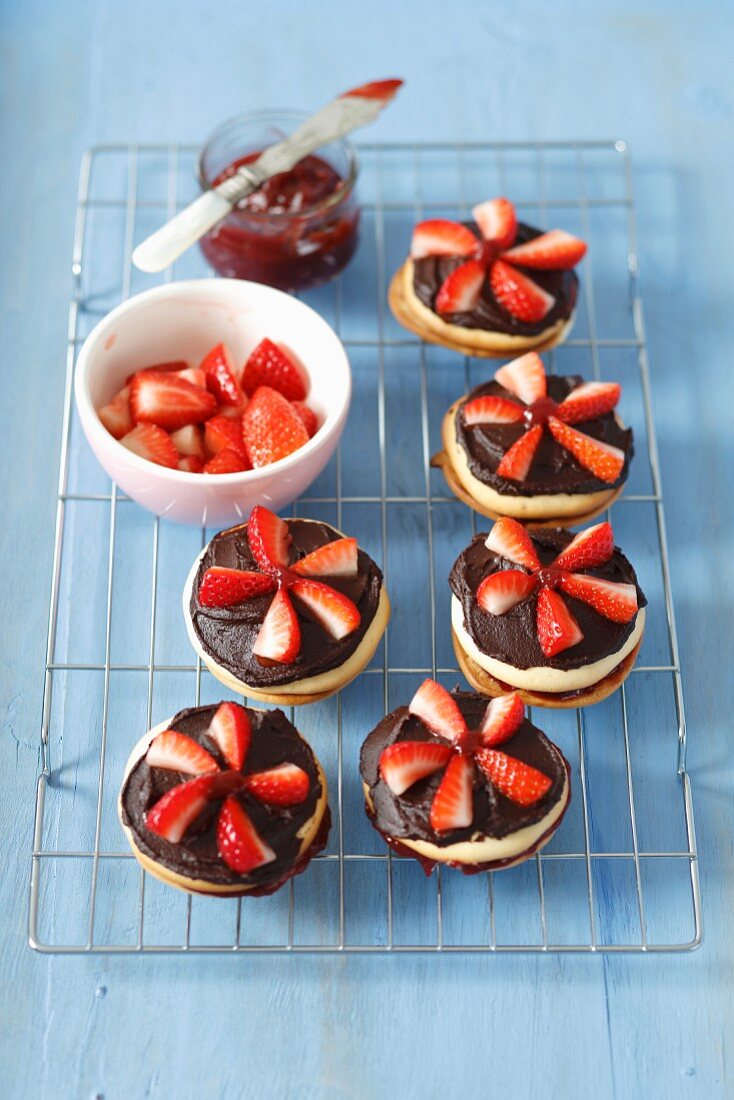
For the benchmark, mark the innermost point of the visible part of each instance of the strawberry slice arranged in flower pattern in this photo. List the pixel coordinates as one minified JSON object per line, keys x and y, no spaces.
{"x":177,"y":752}
{"x":459,"y":292}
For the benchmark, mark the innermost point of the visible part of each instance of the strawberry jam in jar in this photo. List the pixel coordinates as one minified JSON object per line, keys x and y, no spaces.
{"x":299,"y":228}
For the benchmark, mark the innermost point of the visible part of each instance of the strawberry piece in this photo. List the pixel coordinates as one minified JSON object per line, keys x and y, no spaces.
{"x":334,"y":559}
{"x":589,"y":548}
{"x":285,"y":785}
{"x":500,"y":592}
{"x":269,"y":365}
{"x":231,"y":730}
{"x":279,"y":638}
{"x":439,"y":237}
{"x":497,"y":222}
{"x":189,"y":441}
{"x":518,"y":294}
{"x":308,"y":416}
{"x":271,"y":428}
{"x":193,"y":375}
{"x":459,"y":292}
{"x":220,"y":377}
{"x":233,"y":412}
{"x":553,"y":251}
{"x":491,"y":410}
{"x":453,"y":802}
{"x":588,"y":401}
{"x":556,"y":626}
{"x":179,"y":753}
{"x":269,"y":539}
{"x":237,"y":840}
{"x":151,"y":442}
{"x":174,"y":365}
{"x":227,"y":461}
{"x":510,"y":540}
{"x":337,"y":614}
{"x":525,"y":377}
{"x":405,"y":762}
{"x":191,"y":464}
{"x":162,"y":398}
{"x":602,"y":459}
{"x":514,"y":779}
{"x":376,"y":89}
{"x":172,"y":814}
{"x":438,"y":710}
{"x":518,"y":459}
{"x":611,"y":599}
{"x":502,"y":719}
{"x":116,"y":415}
{"x":222,"y":432}
{"x":221,"y":587}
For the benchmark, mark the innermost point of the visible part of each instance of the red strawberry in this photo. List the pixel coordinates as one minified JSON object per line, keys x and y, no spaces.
{"x":237,"y":841}
{"x":337,"y":614}
{"x":231,"y":730}
{"x":518,"y":459}
{"x":438,"y":710}
{"x":222,"y":587}
{"x":510,"y":540}
{"x":175,"y":365}
{"x":459,"y":292}
{"x":179,"y":753}
{"x":269,"y":365}
{"x":555,"y":251}
{"x":556,"y":626}
{"x":221,"y":432}
{"x":499,"y":592}
{"x":271,"y":428}
{"x":502,"y":719}
{"x":308,"y":416}
{"x":116,"y":415}
{"x":591,"y":547}
{"x":589,"y":401}
{"x":614,"y":601}
{"x":491,"y":410}
{"x":191,"y":464}
{"x":151,"y":442}
{"x":172,"y":814}
{"x":525,"y":377}
{"x":405,"y":762}
{"x":193,"y":375}
{"x":453,"y":802}
{"x":603,"y":460}
{"x":439,"y":237}
{"x":515,"y":780}
{"x":334,"y":559}
{"x":518,"y":294}
{"x":227,"y":461}
{"x":285,"y":785}
{"x":219,"y":376}
{"x":280,"y":634}
{"x":189,"y":441}
{"x":497,"y":222}
{"x":269,"y":539}
{"x":376,"y":89}
{"x":162,"y":398}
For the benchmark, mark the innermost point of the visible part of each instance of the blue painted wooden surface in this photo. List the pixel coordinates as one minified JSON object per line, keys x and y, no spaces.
{"x":657,"y":74}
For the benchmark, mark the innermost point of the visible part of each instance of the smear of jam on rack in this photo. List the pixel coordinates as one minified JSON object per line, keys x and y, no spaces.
{"x":282,"y":234}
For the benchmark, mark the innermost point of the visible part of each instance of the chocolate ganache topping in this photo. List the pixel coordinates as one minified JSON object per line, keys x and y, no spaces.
{"x":553,"y":469}
{"x":512,"y":637}
{"x":429,"y":273}
{"x":274,"y":741}
{"x":228,"y":633}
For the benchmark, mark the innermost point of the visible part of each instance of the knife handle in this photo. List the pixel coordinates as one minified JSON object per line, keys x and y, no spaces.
{"x":168,"y":242}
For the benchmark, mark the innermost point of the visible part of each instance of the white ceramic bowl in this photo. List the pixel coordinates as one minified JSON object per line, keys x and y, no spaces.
{"x":183,"y":321}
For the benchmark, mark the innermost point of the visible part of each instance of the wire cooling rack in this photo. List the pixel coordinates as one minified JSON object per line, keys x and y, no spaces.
{"x":621,"y":874}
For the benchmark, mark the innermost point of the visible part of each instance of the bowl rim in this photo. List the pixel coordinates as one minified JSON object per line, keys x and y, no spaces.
{"x":90,"y":419}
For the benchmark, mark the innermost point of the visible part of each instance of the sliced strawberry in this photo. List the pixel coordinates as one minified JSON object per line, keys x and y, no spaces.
{"x":337,"y":614}
{"x":269,"y":539}
{"x":614,"y":601}
{"x":237,"y":840}
{"x":220,"y":377}
{"x":525,"y":377}
{"x":116,"y":415}
{"x":591,"y":547}
{"x":459,"y":292}
{"x":172,"y":814}
{"x":517,"y":461}
{"x":151,"y":442}
{"x":221,"y":432}
{"x":497,"y":222}
{"x":162,"y":398}
{"x":221,"y":587}
{"x":189,"y":441}
{"x":518,"y":294}
{"x":439,"y":237}
{"x":514,"y":779}
{"x":376,"y":89}
{"x":510,"y":540}
{"x":502,"y":719}
{"x":491,"y":410}
{"x":500,"y":592}
{"x":405,"y":762}
{"x":334,"y":559}
{"x":174,"y":365}
{"x":280,"y":634}
{"x":588,"y":401}
{"x":602,"y":459}
{"x":271,"y":428}
{"x":453,"y":802}
{"x":285,"y":785}
{"x":193,"y":375}
{"x":269,"y":365}
{"x":308,"y":416}
{"x":191,"y":464}
{"x":231,"y":730}
{"x":179,"y":753}
{"x":227,"y":461}
{"x":438,"y":710}
{"x":553,"y":251}
{"x":556,"y":626}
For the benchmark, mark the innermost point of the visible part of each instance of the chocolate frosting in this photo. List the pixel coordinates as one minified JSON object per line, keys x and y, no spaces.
{"x":553,"y":469}
{"x":512,"y":637}
{"x":430,"y":272}
{"x":274,"y":741}
{"x":228,"y":633}
{"x":408,"y":815}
